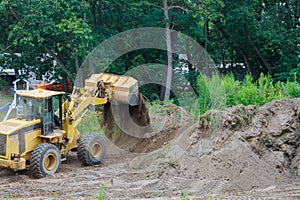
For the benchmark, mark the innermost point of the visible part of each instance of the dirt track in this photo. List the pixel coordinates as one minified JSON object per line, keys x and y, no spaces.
{"x":237,"y":153}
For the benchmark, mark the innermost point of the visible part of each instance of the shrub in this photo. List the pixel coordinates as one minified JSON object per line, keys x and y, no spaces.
{"x":2,"y":82}
{"x":227,"y":92}
{"x":292,"y":89}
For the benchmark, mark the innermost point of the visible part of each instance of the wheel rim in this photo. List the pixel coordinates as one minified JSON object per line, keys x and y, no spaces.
{"x":50,"y":161}
{"x":96,"y":150}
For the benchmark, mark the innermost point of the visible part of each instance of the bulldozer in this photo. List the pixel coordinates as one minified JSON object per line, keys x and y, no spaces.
{"x":45,"y":128}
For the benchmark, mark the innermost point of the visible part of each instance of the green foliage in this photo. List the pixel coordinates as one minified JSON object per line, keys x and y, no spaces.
{"x":262,"y":35}
{"x":210,"y":197}
{"x":185,"y":195}
{"x":231,"y":86}
{"x":34,"y":28}
{"x":101,"y":194}
{"x":292,"y":89}
{"x":211,"y":95}
{"x":246,"y":92}
{"x":204,"y":100}
{"x":89,"y":123}
{"x":2,"y":82}
{"x":253,"y":92}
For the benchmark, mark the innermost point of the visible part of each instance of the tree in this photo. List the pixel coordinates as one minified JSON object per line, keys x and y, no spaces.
{"x":260,"y":34}
{"x":42,"y":31}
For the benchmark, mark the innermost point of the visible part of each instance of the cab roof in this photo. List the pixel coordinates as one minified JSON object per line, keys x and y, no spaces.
{"x":39,"y":93}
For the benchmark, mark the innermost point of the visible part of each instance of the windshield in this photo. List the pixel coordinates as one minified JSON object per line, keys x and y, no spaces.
{"x":30,"y":108}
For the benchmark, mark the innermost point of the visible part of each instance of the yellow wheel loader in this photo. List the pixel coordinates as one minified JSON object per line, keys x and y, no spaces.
{"x":45,"y":129}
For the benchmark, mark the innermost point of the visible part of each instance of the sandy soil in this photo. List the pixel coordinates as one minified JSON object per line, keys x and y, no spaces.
{"x":239,"y":153}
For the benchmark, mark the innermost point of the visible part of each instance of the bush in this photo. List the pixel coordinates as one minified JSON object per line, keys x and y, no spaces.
{"x":292,"y":89}
{"x":211,"y":94}
{"x":204,"y":100}
{"x":2,"y":82}
{"x":219,"y":93}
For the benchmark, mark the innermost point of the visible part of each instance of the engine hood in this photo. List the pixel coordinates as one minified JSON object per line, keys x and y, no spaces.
{"x":11,"y":126}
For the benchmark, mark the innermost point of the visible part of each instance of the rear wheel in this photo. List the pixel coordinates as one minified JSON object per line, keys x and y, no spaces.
{"x":45,"y":160}
{"x":91,"y":149}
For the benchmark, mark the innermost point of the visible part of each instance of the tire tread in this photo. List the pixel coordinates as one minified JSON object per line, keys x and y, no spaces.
{"x":36,"y":157}
{"x":83,"y":148}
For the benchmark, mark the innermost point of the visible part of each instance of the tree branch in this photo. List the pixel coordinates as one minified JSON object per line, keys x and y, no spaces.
{"x":151,"y":4}
{"x":260,"y":56}
{"x":58,"y":61}
{"x":5,"y":49}
{"x":179,"y":7}
{"x":14,"y":13}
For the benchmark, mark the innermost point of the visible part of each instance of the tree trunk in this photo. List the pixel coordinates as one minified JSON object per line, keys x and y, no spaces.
{"x":188,"y":55}
{"x":260,"y":56}
{"x":65,"y":82}
{"x":245,"y":61}
{"x":76,"y":63}
{"x":206,"y":31}
{"x":169,"y":66}
{"x":231,"y":57}
{"x":221,"y":48}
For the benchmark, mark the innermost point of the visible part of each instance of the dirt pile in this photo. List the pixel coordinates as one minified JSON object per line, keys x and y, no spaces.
{"x":166,"y":125}
{"x":134,"y":120}
{"x":274,"y":135}
{"x":126,"y":125}
{"x":231,"y":151}
{"x":132,"y":128}
{"x":243,"y":148}
{"x":272,"y":130}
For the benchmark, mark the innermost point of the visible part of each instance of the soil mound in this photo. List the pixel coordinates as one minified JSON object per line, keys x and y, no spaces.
{"x":129,"y":119}
{"x":132,"y":128}
{"x":274,"y":135}
{"x":239,"y":149}
{"x":125,"y":125}
{"x":272,"y":131}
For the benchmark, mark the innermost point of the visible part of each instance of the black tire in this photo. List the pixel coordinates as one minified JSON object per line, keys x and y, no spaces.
{"x":44,"y":160}
{"x":91,"y":149}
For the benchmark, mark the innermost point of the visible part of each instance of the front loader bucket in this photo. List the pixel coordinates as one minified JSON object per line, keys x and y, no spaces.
{"x":122,"y":90}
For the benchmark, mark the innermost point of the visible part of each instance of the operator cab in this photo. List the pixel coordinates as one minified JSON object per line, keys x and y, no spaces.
{"x":41,"y":104}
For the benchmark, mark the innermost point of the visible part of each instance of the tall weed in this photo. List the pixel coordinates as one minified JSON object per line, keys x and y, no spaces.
{"x":292,"y":89}
{"x":215,"y":92}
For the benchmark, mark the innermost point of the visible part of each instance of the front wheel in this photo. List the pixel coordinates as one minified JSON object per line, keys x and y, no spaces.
{"x":91,"y":149}
{"x":45,"y":160}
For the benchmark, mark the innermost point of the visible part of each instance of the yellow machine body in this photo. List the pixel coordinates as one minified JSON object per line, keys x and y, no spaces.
{"x":36,"y":123}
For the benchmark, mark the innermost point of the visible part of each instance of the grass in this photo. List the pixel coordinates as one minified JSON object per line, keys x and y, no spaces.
{"x":221,"y":92}
{"x":101,"y":194}
{"x":210,"y":197}
{"x":185,"y":195}
{"x":90,"y":123}
{"x":4,"y":99}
